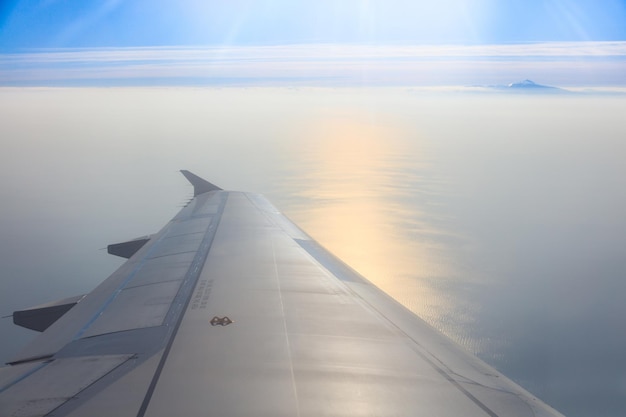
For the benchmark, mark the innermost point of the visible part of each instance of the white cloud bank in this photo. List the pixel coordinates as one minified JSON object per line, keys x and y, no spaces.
{"x":574,"y":64}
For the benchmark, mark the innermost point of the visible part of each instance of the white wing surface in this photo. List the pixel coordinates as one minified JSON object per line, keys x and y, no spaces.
{"x":231,"y":311}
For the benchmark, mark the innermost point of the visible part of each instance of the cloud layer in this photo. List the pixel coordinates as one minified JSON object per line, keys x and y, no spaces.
{"x":557,"y":63}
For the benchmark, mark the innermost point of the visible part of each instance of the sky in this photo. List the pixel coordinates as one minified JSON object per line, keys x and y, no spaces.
{"x":120,"y":23}
{"x":449,"y":42}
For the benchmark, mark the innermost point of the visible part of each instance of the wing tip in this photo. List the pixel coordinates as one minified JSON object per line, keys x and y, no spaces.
{"x":200,"y":185}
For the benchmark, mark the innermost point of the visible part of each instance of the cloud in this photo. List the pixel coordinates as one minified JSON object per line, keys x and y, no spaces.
{"x":560,"y":63}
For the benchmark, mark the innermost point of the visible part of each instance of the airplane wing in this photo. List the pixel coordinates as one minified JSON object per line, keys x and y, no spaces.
{"x":232,"y":310}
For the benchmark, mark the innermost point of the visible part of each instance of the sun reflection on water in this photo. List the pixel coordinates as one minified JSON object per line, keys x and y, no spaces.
{"x":364,"y":189}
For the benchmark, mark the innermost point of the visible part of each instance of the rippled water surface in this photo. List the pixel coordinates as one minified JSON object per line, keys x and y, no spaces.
{"x":498,"y":219}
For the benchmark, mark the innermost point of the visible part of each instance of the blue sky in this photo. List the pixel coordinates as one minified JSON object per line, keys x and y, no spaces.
{"x":28,"y":27}
{"x":91,"y":23}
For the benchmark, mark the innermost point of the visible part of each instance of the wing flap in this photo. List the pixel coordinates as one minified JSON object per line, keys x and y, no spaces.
{"x":53,"y":383}
{"x":134,"y":308}
{"x":157,"y":268}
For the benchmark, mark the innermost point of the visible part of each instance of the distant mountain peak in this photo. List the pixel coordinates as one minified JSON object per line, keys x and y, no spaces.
{"x":528,"y":84}
{"x":524,"y":87}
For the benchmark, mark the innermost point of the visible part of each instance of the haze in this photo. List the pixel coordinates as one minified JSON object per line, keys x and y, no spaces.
{"x":496,"y":218}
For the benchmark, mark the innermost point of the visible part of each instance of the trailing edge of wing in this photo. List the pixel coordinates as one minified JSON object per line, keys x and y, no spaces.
{"x":200,"y":185}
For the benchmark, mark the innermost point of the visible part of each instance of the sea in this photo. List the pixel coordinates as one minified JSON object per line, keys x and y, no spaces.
{"x":497,"y":218}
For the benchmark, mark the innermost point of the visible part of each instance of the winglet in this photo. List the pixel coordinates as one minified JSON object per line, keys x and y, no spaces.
{"x":200,"y":185}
